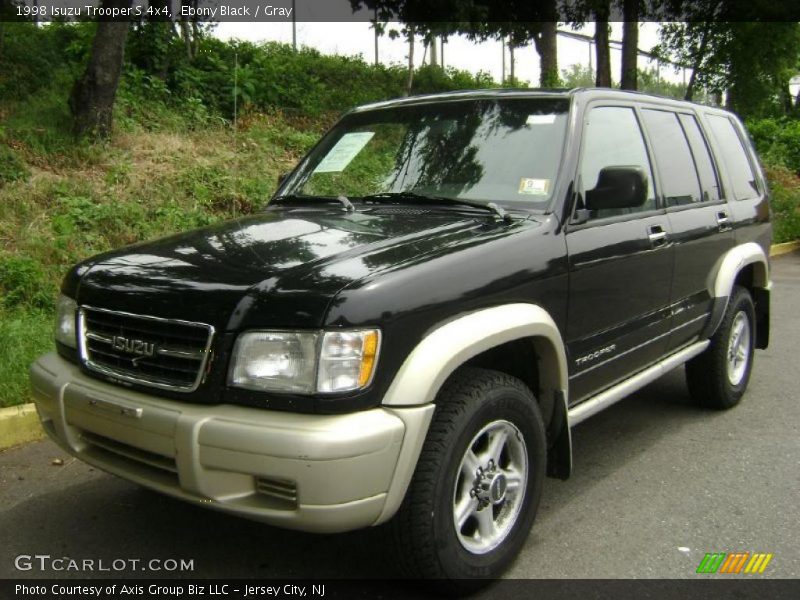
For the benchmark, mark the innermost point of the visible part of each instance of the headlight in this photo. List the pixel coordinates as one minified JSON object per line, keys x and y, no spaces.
{"x":66,"y":310}
{"x":275,"y":361}
{"x":305,"y":363}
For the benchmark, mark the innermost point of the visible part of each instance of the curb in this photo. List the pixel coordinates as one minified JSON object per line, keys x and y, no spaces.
{"x":785,"y":248}
{"x":18,"y":425}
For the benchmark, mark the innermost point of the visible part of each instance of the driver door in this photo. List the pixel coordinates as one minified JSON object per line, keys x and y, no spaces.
{"x":620,"y":265}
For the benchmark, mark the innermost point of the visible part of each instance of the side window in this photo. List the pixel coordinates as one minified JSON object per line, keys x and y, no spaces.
{"x":733,"y":155}
{"x":612,"y":137}
{"x":679,"y":180}
{"x":702,"y":158}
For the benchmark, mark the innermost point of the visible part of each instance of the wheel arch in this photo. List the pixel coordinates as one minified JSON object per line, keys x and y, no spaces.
{"x":744,"y":265}
{"x":457,"y":342}
{"x":454,"y":344}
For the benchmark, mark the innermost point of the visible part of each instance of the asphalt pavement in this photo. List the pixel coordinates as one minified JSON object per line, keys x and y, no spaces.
{"x":657,"y":484}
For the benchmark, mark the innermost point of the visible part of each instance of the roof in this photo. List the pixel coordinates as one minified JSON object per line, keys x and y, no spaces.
{"x":497,"y":93}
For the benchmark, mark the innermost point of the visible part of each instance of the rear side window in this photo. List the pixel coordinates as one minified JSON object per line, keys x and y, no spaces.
{"x":733,"y":155}
{"x":613,"y":138}
{"x":680,"y":184}
{"x":702,"y":157}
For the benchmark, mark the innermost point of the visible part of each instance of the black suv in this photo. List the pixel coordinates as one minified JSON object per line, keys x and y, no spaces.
{"x":406,"y":333}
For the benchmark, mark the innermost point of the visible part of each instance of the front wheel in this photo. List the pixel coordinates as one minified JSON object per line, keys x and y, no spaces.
{"x":718,"y":377}
{"x":474,"y":495}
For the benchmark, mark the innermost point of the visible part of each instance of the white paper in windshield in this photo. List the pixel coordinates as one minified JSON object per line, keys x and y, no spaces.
{"x":344,"y":152}
{"x":540,"y":119}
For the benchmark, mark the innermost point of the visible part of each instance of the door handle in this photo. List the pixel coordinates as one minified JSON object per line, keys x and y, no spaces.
{"x":657,"y":236}
{"x":723,"y":222}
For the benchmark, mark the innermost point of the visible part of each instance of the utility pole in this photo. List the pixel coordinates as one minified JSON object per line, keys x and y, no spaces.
{"x":294,"y":27}
{"x":376,"y":37}
{"x":503,"y":53}
{"x":511,"y":61}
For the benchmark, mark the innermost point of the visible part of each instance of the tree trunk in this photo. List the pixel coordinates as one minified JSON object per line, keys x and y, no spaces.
{"x":410,"y":82}
{"x":786,"y":99}
{"x":547,"y":49}
{"x":186,"y":31}
{"x":434,"y":53}
{"x":630,"y":45}
{"x":603,"y":54}
{"x":511,"y":75}
{"x":698,"y":61}
{"x":92,"y":99}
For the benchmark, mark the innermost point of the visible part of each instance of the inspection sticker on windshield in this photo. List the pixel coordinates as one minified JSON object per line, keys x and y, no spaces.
{"x":541,"y":119}
{"x":534,"y":187}
{"x":343,"y":152}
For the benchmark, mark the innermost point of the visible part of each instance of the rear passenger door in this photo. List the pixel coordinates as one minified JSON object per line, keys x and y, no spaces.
{"x":620,"y":263}
{"x":698,"y":215}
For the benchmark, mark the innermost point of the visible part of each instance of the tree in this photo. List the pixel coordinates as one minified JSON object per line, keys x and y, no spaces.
{"x":92,"y":99}
{"x":522,"y":21}
{"x":630,"y":44}
{"x":751,"y":61}
{"x":602,"y":51}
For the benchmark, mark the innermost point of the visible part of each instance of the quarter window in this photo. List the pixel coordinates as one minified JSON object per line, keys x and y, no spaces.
{"x":613,"y":138}
{"x":741,"y":173}
{"x":702,"y":158}
{"x":679,"y":180}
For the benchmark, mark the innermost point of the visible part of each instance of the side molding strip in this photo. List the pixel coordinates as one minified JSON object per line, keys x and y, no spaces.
{"x":603,"y":400}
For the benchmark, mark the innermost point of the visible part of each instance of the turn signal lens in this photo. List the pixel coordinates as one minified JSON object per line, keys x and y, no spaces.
{"x":347,"y":360}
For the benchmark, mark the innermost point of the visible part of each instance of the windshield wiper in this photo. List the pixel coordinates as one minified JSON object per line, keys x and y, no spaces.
{"x":416,"y":196}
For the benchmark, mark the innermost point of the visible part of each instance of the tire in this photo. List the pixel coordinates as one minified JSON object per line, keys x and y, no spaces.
{"x":718,"y":377}
{"x":475,"y":409}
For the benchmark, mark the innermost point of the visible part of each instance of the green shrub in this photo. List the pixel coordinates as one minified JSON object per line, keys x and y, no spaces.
{"x":23,"y":282}
{"x":23,"y":337}
{"x":12,"y":168}
{"x":785,"y":189}
{"x":777,"y":141}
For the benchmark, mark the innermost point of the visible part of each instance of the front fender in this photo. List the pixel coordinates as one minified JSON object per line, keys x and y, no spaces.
{"x":451,"y":345}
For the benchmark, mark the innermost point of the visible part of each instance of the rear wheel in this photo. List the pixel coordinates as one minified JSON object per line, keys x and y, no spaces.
{"x":718,"y":377}
{"x":479,"y":478}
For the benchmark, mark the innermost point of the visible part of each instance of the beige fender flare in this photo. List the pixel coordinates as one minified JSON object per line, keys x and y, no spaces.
{"x":448,"y":347}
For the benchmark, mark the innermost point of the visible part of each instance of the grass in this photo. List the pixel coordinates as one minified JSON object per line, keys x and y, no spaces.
{"x":24,"y":335}
{"x":160,"y":174}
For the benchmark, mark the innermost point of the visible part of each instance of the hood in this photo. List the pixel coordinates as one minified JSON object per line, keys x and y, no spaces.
{"x":285,"y":264}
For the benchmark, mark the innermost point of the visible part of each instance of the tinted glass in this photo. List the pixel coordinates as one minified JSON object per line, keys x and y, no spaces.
{"x":679,"y":181}
{"x":702,"y":158}
{"x":612,"y":137}
{"x":734,"y":157}
{"x":505,"y":151}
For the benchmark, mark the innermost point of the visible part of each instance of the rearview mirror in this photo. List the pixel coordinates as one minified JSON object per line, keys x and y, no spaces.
{"x":618,"y":187}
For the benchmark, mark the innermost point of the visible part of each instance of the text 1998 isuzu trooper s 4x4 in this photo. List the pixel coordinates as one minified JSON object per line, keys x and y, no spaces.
{"x":440,"y":290}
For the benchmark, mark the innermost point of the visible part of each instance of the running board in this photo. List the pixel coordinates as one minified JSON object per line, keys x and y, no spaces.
{"x":595,"y":404}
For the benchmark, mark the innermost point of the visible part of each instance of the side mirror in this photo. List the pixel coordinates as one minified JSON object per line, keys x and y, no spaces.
{"x":281,"y":178}
{"x":618,"y":187}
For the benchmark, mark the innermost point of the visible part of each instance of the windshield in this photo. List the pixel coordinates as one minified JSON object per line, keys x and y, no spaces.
{"x":505,"y":151}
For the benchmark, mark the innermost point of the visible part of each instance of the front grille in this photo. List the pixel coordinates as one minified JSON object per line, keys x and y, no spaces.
{"x":163,"y":353}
